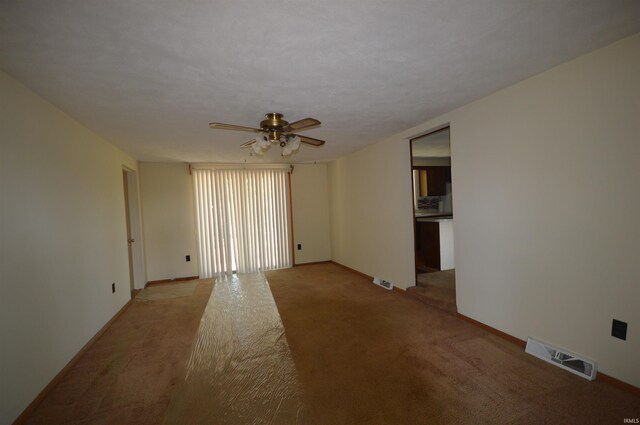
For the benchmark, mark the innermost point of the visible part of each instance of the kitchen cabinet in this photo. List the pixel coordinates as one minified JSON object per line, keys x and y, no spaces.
{"x":434,"y":242}
{"x":437,"y":180}
{"x":433,"y":180}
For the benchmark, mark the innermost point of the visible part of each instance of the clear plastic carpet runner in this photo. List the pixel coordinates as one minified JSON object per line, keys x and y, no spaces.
{"x":240,"y":370}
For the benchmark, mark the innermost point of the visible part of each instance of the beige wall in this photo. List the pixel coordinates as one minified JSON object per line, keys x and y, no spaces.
{"x":311,"y":219}
{"x":371,"y":200}
{"x":63,"y":241}
{"x":545,"y":177}
{"x":168,"y":220}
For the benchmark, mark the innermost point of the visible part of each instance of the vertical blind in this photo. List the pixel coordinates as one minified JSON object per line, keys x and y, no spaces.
{"x":242,"y":220}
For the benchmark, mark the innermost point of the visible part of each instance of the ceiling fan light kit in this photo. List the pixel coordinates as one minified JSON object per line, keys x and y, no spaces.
{"x":289,"y":144}
{"x":274,"y":129}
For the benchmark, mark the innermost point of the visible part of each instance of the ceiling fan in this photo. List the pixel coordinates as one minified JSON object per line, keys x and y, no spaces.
{"x":274,"y":129}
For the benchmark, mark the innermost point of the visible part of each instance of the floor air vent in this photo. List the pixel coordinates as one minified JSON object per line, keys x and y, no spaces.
{"x":562,"y":358}
{"x":383,"y":283}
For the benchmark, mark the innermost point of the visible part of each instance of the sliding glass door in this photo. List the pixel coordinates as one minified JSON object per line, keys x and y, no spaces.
{"x":242,"y":220}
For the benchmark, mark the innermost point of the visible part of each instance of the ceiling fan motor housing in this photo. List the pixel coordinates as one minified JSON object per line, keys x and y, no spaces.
{"x":273,"y":125}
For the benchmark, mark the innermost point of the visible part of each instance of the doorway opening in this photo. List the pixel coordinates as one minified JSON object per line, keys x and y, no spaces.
{"x":132,"y":214}
{"x":433,"y":220}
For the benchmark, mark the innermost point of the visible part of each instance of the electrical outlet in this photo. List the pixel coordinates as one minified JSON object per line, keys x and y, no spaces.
{"x":113,"y":288}
{"x":299,"y":246}
{"x":188,"y":257}
{"x":619,"y":329}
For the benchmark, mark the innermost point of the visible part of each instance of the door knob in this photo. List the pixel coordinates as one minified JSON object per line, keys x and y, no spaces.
{"x":131,"y":240}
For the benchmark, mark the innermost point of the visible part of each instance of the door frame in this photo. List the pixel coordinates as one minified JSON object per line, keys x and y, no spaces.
{"x":135,"y":251}
{"x":436,"y":130}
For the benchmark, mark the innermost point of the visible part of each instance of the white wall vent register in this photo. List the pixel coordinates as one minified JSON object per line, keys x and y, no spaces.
{"x":383,"y":283}
{"x":562,"y":358}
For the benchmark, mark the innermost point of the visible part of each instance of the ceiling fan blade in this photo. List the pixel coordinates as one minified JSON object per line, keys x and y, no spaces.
{"x":311,"y":140}
{"x":247,"y":144}
{"x":302,"y":125}
{"x":223,"y":126}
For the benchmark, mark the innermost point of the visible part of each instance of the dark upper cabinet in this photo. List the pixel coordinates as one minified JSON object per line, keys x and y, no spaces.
{"x":436,"y":179}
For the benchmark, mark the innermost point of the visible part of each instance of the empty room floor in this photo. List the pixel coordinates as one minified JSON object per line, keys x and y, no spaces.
{"x":355,"y":354}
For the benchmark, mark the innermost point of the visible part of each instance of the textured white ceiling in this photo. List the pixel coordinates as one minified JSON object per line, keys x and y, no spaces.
{"x":149,"y":75}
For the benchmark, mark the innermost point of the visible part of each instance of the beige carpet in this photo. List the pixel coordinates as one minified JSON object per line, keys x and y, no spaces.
{"x":363,"y":355}
{"x":128,"y":375}
{"x":167,"y":291}
{"x":370,"y":356}
{"x":445,"y":279}
{"x":437,"y":289}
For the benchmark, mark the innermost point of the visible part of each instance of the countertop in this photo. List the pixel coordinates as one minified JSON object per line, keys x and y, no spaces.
{"x":437,"y":219}
{"x":426,"y":214}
